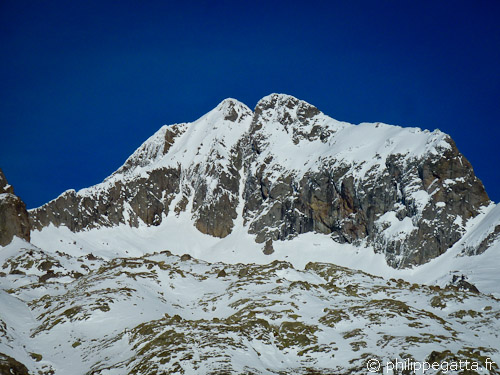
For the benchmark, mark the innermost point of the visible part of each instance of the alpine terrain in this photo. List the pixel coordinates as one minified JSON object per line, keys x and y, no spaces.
{"x":272,"y":241}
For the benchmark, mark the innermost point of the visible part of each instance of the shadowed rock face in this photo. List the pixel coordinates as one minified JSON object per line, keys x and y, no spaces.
{"x":14,"y":220}
{"x":4,"y":185}
{"x":410,"y":205}
{"x":338,"y":201}
{"x":10,"y":366}
{"x":331,"y":202}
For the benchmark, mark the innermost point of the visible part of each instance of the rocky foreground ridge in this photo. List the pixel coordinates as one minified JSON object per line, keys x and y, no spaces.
{"x":286,"y":169}
{"x":167,"y":314}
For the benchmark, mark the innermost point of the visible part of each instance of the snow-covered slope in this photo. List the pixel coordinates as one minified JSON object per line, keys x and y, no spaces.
{"x":161,"y":313}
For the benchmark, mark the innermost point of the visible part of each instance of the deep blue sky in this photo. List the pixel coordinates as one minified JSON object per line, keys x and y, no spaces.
{"x":84,"y":83}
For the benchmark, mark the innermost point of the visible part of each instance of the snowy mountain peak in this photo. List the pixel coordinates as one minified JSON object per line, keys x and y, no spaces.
{"x":233,"y":110}
{"x":284,"y":170}
{"x":279,"y":100}
{"x":221,"y":126}
{"x":285,"y":109}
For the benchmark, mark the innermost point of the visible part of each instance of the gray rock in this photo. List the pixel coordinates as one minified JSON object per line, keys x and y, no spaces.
{"x":222,"y":273}
{"x":14,"y":220}
{"x":4,"y":185}
{"x":268,"y":247}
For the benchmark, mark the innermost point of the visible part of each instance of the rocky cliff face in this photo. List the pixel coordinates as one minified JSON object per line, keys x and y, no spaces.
{"x":14,"y":219}
{"x":407,"y":200}
{"x":287,"y":169}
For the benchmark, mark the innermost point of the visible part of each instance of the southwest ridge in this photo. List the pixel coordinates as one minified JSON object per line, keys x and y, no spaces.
{"x":287,"y":169}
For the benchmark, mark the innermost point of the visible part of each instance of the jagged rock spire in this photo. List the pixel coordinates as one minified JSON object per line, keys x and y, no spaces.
{"x":14,"y":219}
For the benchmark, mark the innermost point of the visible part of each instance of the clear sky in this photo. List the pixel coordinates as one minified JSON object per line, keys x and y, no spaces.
{"x":84,"y":83}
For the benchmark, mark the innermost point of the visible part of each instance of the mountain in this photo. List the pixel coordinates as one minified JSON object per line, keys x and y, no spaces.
{"x":273,"y":241}
{"x":287,"y":169}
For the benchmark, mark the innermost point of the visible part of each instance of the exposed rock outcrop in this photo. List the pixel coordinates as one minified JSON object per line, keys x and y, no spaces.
{"x":9,"y":366}
{"x":4,"y":185}
{"x":287,"y":169}
{"x":14,"y":220}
